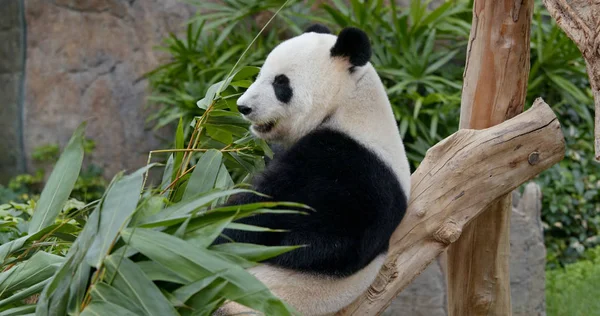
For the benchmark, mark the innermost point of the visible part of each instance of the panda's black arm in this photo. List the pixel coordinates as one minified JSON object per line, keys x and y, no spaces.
{"x":330,"y":254}
{"x":358,"y":203}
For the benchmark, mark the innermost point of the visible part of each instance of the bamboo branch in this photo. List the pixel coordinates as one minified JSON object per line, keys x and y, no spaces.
{"x":459,"y":178}
{"x":580,"y":20}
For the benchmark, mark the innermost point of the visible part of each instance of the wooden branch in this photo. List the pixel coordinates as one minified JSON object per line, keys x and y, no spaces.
{"x":581,"y":22}
{"x":459,"y":178}
{"x":494,"y":90}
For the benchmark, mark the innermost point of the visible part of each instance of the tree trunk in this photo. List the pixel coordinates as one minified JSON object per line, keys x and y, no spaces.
{"x":580,"y":19}
{"x":459,"y":178}
{"x":494,"y":90}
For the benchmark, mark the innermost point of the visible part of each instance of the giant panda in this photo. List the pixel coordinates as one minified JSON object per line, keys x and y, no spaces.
{"x":319,"y":99}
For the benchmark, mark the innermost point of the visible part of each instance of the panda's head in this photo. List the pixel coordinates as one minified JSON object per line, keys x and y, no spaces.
{"x":302,"y":82}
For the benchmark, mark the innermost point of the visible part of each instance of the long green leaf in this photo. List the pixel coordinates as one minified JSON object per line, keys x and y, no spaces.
{"x":55,"y":297}
{"x":118,"y":205}
{"x":128,"y":278}
{"x":157,"y":272}
{"x":205,"y":174}
{"x":102,"y":308}
{"x":107,"y":293}
{"x":24,"y":293}
{"x":40,"y":267}
{"x":180,"y":211}
{"x":253,"y":252}
{"x":192,"y":262}
{"x":60,"y":183}
{"x":18,"y":311}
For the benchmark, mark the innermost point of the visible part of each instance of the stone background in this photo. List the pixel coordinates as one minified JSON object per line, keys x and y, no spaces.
{"x":11,"y":76}
{"x":84,"y":61}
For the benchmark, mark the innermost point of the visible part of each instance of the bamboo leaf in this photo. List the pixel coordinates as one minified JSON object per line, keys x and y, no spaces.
{"x":253,"y":252}
{"x":54,"y":299}
{"x":179,"y":212}
{"x":157,"y":272}
{"x":128,"y":278}
{"x":19,"y":311}
{"x":39,"y":268}
{"x":192,"y":262}
{"x":109,"y":294}
{"x":102,"y":308}
{"x":24,"y":293}
{"x":117,"y":207}
{"x":205,"y":174}
{"x":60,"y":183}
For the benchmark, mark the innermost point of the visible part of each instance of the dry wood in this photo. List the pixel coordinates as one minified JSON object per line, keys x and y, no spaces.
{"x":494,"y":90}
{"x":458,"y":179}
{"x":580,"y":19}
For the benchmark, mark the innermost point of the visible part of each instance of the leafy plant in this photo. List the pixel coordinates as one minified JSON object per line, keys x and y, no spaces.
{"x":414,"y":49}
{"x":138,"y":250}
{"x":573,"y":290}
{"x":571,"y":189}
{"x":89,"y":185}
{"x":204,"y":55}
{"x":414,"y":52}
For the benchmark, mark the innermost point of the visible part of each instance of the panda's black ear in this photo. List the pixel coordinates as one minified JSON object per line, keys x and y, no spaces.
{"x":354,"y":44}
{"x":318,"y":28}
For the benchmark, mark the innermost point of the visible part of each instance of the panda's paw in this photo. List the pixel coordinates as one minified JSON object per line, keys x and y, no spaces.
{"x":233,"y":308}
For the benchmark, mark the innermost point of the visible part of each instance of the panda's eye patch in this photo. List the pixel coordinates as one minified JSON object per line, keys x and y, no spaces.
{"x":281,"y":80}
{"x":281,"y":86}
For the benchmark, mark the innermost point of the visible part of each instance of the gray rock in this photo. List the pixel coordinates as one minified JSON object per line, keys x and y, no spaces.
{"x":11,"y":76}
{"x":85,"y":60}
{"x":527,"y":253}
{"x":425,"y":296}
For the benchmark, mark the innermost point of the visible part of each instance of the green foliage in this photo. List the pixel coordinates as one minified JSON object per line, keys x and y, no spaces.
{"x":144,"y":250}
{"x":571,"y":189}
{"x":208,"y":52}
{"x":414,"y":52}
{"x":89,"y":186}
{"x":573,"y":290}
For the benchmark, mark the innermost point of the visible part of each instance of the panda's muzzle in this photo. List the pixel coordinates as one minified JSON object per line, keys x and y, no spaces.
{"x":265,"y":127}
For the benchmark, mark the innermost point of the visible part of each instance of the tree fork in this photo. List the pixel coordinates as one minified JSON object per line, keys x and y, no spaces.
{"x":459,"y":178}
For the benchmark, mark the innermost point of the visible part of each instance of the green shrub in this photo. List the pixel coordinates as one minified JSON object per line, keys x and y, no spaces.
{"x":24,"y":187}
{"x":143,"y":250}
{"x":573,"y":290}
{"x":571,"y":189}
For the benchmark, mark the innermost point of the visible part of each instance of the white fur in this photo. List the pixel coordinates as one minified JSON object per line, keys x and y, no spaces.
{"x":357,"y":103}
{"x":357,"y":106}
{"x":326,"y":295}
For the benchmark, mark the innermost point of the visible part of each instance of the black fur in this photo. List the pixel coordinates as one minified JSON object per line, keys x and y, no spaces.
{"x":283,"y":90}
{"x":357,"y":198}
{"x":318,"y":28}
{"x":354,"y":44}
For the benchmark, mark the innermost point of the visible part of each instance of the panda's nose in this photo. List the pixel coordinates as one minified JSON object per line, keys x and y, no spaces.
{"x":244,"y":109}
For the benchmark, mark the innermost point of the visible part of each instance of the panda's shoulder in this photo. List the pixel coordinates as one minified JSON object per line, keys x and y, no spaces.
{"x":327,"y":153}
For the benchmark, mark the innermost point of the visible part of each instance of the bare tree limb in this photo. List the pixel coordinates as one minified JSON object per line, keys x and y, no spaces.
{"x":459,"y":178}
{"x":494,"y":90}
{"x":580,"y":19}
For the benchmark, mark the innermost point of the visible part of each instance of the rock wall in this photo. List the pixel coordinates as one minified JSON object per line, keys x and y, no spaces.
{"x":11,"y":78}
{"x":426,"y":296}
{"x":85,"y":59}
